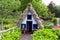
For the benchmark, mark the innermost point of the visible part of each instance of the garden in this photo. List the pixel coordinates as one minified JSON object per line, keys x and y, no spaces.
{"x":12,"y":35}
{"x":10,"y":11}
{"x":46,"y":34}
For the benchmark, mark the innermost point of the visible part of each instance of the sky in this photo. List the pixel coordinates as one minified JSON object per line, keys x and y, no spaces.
{"x":57,"y":2}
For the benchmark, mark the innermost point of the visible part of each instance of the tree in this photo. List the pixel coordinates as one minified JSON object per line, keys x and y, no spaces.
{"x":51,"y":7}
{"x":54,"y":9}
{"x":9,"y":10}
{"x":24,"y":3}
{"x":40,"y":8}
{"x":8,"y":7}
{"x":57,"y":11}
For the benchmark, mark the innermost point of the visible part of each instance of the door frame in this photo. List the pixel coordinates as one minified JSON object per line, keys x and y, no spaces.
{"x":27,"y":26}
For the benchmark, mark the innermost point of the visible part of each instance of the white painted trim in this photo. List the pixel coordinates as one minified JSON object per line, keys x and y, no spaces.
{"x":33,"y":21}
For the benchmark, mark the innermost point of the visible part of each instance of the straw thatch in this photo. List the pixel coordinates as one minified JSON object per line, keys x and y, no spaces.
{"x":34,"y":14}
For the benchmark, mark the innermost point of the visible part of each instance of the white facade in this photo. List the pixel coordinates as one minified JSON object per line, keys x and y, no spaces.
{"x":33,"y":20}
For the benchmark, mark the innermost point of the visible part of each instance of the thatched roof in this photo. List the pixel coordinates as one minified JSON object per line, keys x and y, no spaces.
{"x":34,"y":14}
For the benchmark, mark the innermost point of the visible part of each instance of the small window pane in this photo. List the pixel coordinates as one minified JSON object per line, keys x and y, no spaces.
{"x":29,"y":16}
{"x":35,"y":26}
{"x":23,"y":26}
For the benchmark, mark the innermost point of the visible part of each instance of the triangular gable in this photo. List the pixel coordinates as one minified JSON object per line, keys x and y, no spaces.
{"x":34,"y":14}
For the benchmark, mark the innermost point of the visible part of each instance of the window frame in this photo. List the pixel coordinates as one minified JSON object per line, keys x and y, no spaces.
{"x":35,"y":26}
{"x":23,"y":28}
{"x":29,"y":17}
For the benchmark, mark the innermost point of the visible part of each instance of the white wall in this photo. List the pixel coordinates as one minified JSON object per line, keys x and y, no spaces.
{"x":33,"y":20}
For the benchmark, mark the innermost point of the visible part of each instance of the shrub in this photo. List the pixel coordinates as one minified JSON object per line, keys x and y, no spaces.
{"x":6,"y":21}
{"x":10,"y":20}
{"x":44,"y":34}
{"x":57,"y":31}
{"x":47,"y":26}
{"x":54,"y":20}
{"x":15,"y":35}
{"x":8,"y":26}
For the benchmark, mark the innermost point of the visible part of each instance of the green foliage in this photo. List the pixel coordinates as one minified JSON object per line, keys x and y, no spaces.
{"x":8,"y":7}
{"x":51,"y":7}
{"x":11,"y":9}
{"x":44,"y":34}
{"x":10,"y":20}
{"x":9,"y":26}
{"x":24,"y":4}
{"x":46,"y":26}
{"x":57,"y":11}
{"x":54,"y":20}
{"x":15,"y":35}
{"x":40,"y":8}
{"x":0,"y":20}
{"x":57,"y":31}
{"x":50,"y":15}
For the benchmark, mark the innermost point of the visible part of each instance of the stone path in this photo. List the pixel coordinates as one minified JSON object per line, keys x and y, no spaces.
{"x":25,"y":37}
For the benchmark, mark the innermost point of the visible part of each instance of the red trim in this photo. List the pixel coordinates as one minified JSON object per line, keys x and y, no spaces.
{"x":26,"y":32}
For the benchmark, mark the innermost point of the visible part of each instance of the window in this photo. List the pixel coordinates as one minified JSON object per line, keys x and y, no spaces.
{"x":35,"y":26}
{"x":23,"y":26}
{"x":29,"y":17}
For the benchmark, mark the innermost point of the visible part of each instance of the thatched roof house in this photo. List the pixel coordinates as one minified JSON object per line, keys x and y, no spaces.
{"x":28,"y":12}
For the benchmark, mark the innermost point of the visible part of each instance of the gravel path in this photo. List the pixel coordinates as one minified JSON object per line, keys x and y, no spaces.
{"x":25,"y":37}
